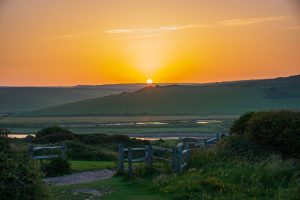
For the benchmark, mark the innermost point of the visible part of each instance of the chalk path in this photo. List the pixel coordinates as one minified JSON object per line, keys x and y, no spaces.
{"x":83,"y":177}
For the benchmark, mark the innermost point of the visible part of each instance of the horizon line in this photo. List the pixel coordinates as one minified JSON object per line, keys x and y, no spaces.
{"x":136,"y":83}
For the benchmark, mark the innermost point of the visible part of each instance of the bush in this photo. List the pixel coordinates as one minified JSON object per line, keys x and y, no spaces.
{"x":53,"y":130}
{"x":54,"y":138}
{"x":79,"y":151}
{"x":20,"y":177}
{"x":240,"y":147}
{"x":4,"y":140}
{"x":57,"y":167}
{"x":278,"y":131}
{"x":239,"y":126}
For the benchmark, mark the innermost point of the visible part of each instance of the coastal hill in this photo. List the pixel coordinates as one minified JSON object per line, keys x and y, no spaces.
{"x":189,"y":99}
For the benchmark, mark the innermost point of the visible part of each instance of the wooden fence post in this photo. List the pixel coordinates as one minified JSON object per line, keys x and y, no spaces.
{"x":174,"y":160}
{"x":148,"y":155}
{"x":188,"y":155}
{"x":130,"y":170}
{"x":30,"y":151}
{"x":121,"y":158}
{"x":179,"y":158}
{"x":63,"y":150}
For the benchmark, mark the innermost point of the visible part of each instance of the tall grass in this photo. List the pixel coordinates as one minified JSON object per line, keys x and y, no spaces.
{"x":219,"y":174}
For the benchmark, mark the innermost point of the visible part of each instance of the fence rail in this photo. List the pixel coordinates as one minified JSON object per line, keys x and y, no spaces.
{"x":176,"y":157}
{"x":33,"y":149}
{"x":203,"y":144}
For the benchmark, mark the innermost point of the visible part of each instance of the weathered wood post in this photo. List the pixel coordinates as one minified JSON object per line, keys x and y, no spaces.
{"x":63,"y":150}
{"x":121,"y":158}
{"x":180,"y":157}
{"x":148,"y":156}
{"x":130,"y":169}
{"x":30,"y":151}
{"x":174,"y":160}
{"x":188,"y":154}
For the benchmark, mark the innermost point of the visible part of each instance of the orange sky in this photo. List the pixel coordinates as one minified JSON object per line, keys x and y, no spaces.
{"x":70,"y":42}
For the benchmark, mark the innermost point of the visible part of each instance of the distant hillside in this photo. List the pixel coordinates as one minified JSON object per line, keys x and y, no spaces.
{"x":218,"y":98}
{"x":16,"y":99}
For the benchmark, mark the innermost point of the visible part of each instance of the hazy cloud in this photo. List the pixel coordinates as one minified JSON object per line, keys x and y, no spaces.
{"x":249,"y":21}
{"x":155,"y":30}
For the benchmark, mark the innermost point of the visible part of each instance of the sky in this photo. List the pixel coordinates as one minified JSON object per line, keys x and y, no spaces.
{"x":72,"y":42}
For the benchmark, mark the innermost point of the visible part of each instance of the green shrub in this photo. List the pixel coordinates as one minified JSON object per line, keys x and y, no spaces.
{"x":278,"y":131}
{"x":52,"y":130}
{"x":57,"y":167}
{"x":20,"y":177}
{"x":239,"y":126}
{"x":240,"y":147}
{"x":54,"y":138}
{"x":79,"y":151}
{"x":4,"y":140}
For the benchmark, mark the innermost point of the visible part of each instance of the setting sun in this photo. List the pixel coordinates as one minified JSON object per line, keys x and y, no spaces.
{"x":149,"y":81}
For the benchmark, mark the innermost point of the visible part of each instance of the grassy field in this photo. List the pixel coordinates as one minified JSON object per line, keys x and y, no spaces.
{"x":82,"y":165}
{"x":41,"y":97}
{"x":112,"y":189}
{"x":209,"y":99}
{"x":132,"y":125}
{"x":234,"y":169}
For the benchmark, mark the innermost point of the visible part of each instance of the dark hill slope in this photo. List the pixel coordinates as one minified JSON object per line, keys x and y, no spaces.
{"x":218,"y":98}
{"x":16,"y":99}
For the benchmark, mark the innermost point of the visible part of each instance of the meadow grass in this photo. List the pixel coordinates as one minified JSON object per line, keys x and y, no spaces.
{"x":82,"y":165}
{"x":218,"y":173}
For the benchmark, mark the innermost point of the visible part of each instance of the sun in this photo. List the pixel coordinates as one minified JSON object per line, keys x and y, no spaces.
{"x":149,"y":81}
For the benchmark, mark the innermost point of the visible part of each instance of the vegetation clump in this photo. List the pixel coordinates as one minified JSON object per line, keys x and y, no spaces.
{"x":278,"y":131}
{"x":57,"y":167}
{"x":53,"y":134}
{"x":20,"y":177}
{"x":254,"y":162}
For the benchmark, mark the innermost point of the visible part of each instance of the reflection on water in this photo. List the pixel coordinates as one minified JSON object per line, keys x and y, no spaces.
{"x":19,"y":135}
{"x":114,"y":124}
{"x":208,"y":121}
{"x":150,"y":123}
{"x":156,"y":138}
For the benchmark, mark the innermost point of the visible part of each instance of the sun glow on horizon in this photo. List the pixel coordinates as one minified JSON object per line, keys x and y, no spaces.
{"x":108,"y":44}
{"x":149,"y":81}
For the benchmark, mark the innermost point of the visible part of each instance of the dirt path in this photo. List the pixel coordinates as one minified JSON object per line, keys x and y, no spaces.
{"x":82,"y":177}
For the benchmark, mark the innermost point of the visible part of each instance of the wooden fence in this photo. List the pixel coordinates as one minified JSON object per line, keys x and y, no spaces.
{"x":33,"y":149}
{"x":177,"y":157}
{"x":204,"y":143}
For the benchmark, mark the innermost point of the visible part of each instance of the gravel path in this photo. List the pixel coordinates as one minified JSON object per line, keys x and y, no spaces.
{"x":82,"y":177}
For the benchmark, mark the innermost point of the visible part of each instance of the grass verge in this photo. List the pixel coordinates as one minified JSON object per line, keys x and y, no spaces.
{"x":81,"y":166}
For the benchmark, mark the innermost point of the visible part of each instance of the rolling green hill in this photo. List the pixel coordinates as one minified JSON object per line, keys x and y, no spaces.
{"x":16,"y":99}
{"x":206,"y":99}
